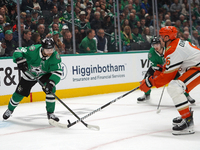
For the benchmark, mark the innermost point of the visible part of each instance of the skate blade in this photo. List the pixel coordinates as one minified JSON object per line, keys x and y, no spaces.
{"x":144,"y":101}
{"x":184,"y":132}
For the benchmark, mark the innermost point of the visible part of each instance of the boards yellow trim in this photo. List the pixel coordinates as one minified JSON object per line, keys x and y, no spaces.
{"x":76,"y":92}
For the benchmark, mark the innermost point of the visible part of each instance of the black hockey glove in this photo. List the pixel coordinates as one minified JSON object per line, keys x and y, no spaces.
{"x":22,"y":64}
{"x":48,"y":87}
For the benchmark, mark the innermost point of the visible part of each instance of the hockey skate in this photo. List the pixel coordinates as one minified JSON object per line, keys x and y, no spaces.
{"x":184,"y":127}
{"x":143,"y":98}
{"x":52,"y":116}
{"x":7,"y":114}
{"x":177,"y":120}
{"x":190,"y":99}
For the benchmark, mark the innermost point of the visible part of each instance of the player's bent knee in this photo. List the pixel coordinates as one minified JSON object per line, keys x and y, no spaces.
{"x":175,"y":88}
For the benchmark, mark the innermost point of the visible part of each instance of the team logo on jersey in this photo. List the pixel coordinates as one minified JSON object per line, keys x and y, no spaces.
{"x":168,"y":48}
{"x":32,"y":48}
{"x":37,"y":69}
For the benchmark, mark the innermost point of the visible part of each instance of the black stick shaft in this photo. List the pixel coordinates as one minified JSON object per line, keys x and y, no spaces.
{"x":58,"y":99}
{"x":102,"y":107}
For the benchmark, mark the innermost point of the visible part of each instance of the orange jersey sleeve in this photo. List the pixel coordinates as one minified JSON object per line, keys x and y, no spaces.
{"x":168,"y":74}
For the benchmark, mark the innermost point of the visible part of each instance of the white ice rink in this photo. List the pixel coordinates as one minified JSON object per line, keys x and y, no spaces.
{"x":124,"y":125}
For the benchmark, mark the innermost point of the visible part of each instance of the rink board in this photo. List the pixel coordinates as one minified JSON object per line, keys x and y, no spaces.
{"x":82,"y":75}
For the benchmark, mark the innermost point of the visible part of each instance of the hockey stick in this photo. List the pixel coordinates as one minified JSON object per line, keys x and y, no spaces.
{"x":99,"y":109}
{"x":54,"y":123}
{"x":158,"y":110}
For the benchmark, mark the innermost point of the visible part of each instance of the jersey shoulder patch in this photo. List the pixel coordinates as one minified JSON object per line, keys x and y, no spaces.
{"x":31,"y":48}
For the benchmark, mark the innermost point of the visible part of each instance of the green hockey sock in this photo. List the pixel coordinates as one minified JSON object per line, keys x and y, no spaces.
{"x":14,"y":101}
{"x":148,"y":92}
{"x":186,"y":94}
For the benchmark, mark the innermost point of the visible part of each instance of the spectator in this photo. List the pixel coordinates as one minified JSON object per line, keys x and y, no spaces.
{"x":168,"y":22}
{"x":88,"y":44}
{"x":127,"y":36}
{"x":59,"y":46}
{"x":78,"y":36}
{"x":178,"y":25}
{"x":96,"y":23}
{"x":3,"y":13}
{"x":36,"y":38}
{"x":61,"y":6}
{"x":175,"y":9}
{"x":26,"y":38}
{"x":83,"y":24}
{"x":55,"y":21}
{"x":132,"y":20}
{"x":67,"y":14}
{"x":6,"y":27}
{"x":186,"y":36}
{"x":15,"y":33}
{"x":107,"y":24}
{"x":143,"y":22}
{"x":141,"y":14}
{"x":146,"y":35}
{"x":136,"y":6}
{"x":101,"y":41}
{"x":137,"y":37}
{"x":68,"y":42}
{"x":180,"y":35}
{"x":1,"y":23}
{"x":40,"y":30}
{"x":36,"y":5}
{"x":195,"y":38}
{"x":185,"y":8}
{"x":147,"y":20}
{"x":8,"y":45}
{"x":139,"y":27}
{"x":45,"y":5}
{"x":145,"y":6}
{"x":26,"y":5}
{"x":28,"y":22}
{"x":125,"y":23}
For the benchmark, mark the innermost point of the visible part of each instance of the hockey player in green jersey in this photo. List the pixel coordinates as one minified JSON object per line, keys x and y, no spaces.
{"x":156,"y":57}
{"x":44,"y":63}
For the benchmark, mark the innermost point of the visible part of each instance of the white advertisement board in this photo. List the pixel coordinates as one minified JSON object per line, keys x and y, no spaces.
{"x":84,"y":71}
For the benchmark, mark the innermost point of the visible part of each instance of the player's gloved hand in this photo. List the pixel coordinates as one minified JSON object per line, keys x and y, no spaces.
{"x":48,"y":87}
{"x":146,"y":84}
{"x":22,"y":64}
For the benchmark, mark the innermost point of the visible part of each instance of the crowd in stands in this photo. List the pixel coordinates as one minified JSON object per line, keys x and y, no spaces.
{"x":94,"y":24}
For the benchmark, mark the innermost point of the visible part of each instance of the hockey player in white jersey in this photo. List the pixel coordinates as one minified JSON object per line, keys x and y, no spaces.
{"x":179,"y":56}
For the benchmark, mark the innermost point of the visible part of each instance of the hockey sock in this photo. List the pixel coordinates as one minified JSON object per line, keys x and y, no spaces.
{"x":148,"y":92}
{"x":186,"y":94}
{"x":14,"y":101}
{"x":50,"y":103}
{"x":185,"y":113}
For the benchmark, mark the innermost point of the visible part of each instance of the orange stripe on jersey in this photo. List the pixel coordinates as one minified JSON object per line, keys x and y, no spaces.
{"x":171,"y":47}
{"x":191,"y":78}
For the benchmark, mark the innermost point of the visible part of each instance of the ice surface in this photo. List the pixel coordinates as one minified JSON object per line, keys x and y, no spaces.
{"x":124,"y":125}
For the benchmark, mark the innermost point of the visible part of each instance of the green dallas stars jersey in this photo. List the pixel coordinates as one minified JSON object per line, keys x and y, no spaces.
{"x":155,"y":58}
{"x":37,"y":66}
